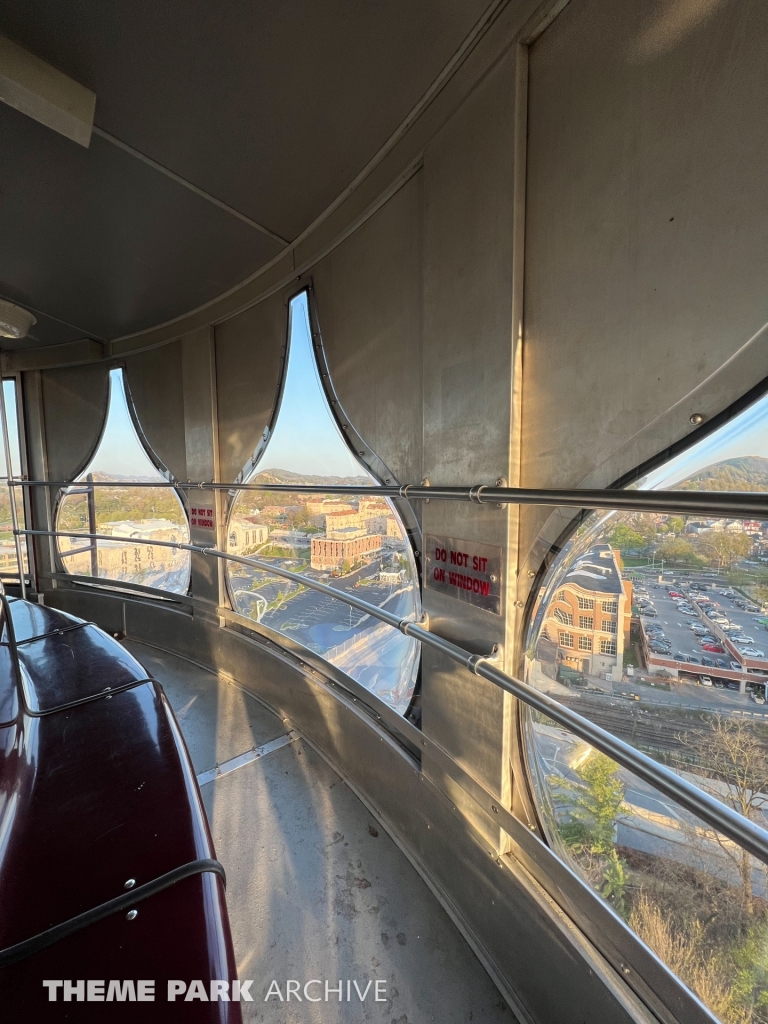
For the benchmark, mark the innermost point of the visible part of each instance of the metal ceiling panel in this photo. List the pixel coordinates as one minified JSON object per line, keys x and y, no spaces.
{"x":99,"y":240}
{"x":271,"y":107}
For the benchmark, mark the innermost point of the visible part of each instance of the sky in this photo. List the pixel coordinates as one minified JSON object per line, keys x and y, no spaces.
{"x":11,"y":413}
{"x":745,"y":434}
{"x":120,"y":450}
{"x":305,"y":438}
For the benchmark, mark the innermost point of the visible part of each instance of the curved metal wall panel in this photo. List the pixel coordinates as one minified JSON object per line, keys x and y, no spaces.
{"x":645,"y":232}
{"x":75,"y":403}
{"x":249,"y":350}
{"x":369,"y":295}
{"x":156,"y":386}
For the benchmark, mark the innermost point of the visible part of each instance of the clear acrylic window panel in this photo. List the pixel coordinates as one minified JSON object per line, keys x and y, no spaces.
{"x":684,"y":679}
{"x":9,"y":564}
{"x":357,"y":544}
{"x":130,"y":517}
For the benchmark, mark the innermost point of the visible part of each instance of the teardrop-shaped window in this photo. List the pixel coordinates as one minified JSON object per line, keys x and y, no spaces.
{"x":124,"y":513}
{"x":9,"y":563}
{"x":358,"y":544}
{"x":655,"y":626}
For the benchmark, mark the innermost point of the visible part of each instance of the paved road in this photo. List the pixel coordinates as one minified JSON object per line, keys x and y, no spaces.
{"x":383,"y":660}
{"x":650,"y":823}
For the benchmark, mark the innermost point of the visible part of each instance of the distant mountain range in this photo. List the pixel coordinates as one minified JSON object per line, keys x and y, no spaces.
{"x":749,"y":473}
{"x":286,"y":476}
{"x":120,"y":477}
{"x":268,"y":476}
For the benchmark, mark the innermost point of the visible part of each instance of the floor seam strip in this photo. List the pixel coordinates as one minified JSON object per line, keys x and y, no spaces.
{"x":241,"y":760}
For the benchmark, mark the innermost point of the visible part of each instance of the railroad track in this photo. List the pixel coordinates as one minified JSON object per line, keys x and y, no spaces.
{"x":656,"y":728}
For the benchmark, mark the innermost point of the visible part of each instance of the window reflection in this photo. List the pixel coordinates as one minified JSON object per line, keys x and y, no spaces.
{"x":124,"y":513}
{"x":655,"y":627}
{"x":357,"y":545}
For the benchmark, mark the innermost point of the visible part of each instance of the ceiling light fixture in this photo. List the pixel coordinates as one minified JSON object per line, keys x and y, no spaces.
{"x":15,"y":322}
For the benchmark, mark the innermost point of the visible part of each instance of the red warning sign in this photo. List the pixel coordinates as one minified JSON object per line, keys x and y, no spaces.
{"x":201,"y":517}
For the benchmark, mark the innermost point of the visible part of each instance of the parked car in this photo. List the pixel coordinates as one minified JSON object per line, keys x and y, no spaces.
{"x":679,"y":656}
{"x":720,"y":662}
{"x":709,"y":662}
{"x":752,"y":652}
{"x":705,"y":681}
{"x":713,"y":648}
{"x":736,"y":666}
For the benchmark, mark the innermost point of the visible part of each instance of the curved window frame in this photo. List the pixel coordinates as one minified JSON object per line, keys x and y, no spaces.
{"x":554,"y":545}
{"x":362,"y":452}
{"x":371,"y":463}
{"x":61,"y":570}
{"x":535,"y":795}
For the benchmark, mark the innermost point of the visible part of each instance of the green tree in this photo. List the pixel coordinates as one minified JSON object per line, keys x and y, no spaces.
{"x":679,"y":552}
{"x":723,"y":549}
{"x":299,"y":519}
{"x":599,"y":800}
{"x":625,"y":538}
{"x":589,"y":832}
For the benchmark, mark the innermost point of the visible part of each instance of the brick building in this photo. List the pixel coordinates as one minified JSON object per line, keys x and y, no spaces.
{"x":589,"y":617}
{"x":332,"y":552}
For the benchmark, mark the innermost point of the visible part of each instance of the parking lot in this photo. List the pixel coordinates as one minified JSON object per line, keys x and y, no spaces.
{"x":677,"y":626}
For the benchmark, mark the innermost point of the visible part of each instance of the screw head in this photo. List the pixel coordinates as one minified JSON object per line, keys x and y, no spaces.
{"x":494,"y":808}
{"x":131,"y":915}
{"x":696,"y":418}
{"x":130,"y":883}
{"x":531,"y":573}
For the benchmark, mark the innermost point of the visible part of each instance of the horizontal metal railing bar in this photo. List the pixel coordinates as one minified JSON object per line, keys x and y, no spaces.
{"x":124,"y":586}
{"x":736,"y":504}
{"x":724,"y":819}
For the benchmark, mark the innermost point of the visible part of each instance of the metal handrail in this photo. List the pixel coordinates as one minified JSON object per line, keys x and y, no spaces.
{"x":736,"y":504}
{"x":718,"y":815}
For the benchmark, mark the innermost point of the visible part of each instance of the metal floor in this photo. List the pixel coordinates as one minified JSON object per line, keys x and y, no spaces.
{"x":316,"y":889}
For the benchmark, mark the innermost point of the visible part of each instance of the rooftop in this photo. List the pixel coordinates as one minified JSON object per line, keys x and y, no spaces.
{"x":596,"y":571}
